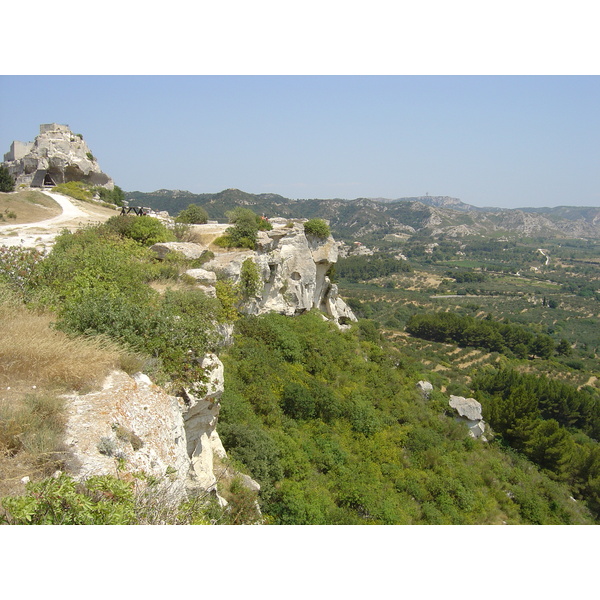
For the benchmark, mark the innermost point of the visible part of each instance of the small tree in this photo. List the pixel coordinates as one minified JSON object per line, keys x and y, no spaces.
{"x":193,"y":214}
{"x":7,"y":183}
{"x":564,"y":348}
{"x":250,"y":283}
{"x":244,"y":230}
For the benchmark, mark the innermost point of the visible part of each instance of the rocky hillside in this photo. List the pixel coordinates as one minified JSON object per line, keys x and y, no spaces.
{"x":57,"y":155}
{"x":363,"y":217}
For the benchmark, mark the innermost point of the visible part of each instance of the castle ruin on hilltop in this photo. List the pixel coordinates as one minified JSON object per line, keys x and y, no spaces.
{"x":57,"y":155}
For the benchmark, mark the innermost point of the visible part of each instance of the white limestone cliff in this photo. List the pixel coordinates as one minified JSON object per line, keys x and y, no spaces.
{"x":167,"y":437}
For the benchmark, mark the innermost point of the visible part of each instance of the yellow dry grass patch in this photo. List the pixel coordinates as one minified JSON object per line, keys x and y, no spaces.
{"x":31,"y":351}
{"x":37,"y":365}
{"x":29,"y":207}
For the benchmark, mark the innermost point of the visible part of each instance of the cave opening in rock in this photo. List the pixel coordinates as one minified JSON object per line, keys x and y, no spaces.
{"x":48,"y":180}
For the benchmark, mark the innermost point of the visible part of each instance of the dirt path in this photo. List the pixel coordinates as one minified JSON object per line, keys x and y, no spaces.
{"x":41,"y":234}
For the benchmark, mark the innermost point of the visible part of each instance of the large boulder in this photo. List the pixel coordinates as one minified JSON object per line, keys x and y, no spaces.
{"x":425,"y":387}
{"x":188,"y":249}
{"x":469,"y":412}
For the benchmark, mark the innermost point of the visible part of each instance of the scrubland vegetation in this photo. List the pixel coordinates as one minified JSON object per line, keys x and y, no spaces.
{"x":244,"y":229}
{"x":87,"y":192}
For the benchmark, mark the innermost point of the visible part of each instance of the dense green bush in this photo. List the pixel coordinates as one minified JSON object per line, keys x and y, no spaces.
{"x":81,"y":190}
{"x":192,"y":214}
{"x":100,"y":500}
{"x":244,"y":230}
{"x":255,"y":448}
{"x":115,"y":196}
{"x":75,"y":189}
{"x":7,"y":182}
{"x":250,"y":284}
{"x":317,"y":227}
{"x":352,"y":442}
{"x":144,"y":229}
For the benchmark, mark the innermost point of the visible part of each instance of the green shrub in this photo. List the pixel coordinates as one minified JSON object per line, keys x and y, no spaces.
{"x":250,"y":284}
{"x":101,"y":500}
{"x":92,"y":260}
{"x":317,"y":227}
{"x":244,"y":230}
{"x":75,"y":189}
{"x":115,"y":196}
{"x":297,"y":402}
{"x":192,"y":214}
{"x":229,"y":241}
{"x":256,"y":449}
{"x":7,"y":182}
{"x":149,"y":231}
{"x":263,"y":224}
{"x":145,"y":230}
{"x":97,"y":282}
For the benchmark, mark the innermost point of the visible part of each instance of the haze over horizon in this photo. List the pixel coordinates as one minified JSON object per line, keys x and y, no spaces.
{"x":491,"y":141}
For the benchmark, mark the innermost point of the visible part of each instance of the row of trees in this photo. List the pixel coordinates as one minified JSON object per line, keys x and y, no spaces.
{"x":494,"y":336}
{"x":364,"y":268}
{"x":466,"y":276}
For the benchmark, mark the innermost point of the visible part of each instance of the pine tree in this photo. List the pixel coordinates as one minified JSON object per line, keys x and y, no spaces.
{"x":7,"y":183}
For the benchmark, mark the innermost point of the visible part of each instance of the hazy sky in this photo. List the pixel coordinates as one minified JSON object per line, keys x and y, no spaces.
{"x":489,"y":140}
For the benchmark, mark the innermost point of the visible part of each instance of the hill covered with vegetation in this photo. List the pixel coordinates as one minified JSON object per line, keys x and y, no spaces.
{"x":370,"y":219}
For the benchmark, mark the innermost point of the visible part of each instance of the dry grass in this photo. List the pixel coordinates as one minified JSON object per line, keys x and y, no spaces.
{"x":32,"y":352}
{"x":31,"y":433}
{"x":37,"y":365}
{"x":28,"y":207}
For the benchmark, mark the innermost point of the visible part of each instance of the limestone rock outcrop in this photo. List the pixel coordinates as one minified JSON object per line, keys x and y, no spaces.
{"x":57,"y":155}
{"x":169,"y":437}
{"x":425,"y":387}
{"x":200,"y":412}
{"x":188,"y":249}
{"x":293,"y":270}
{"x":469,"y":412}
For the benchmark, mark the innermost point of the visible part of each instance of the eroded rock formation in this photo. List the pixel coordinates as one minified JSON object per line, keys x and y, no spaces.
{"x":293,"y":269}
{"x":469,"y":412}
{"x":168,"y":437}
{"x":57,"y":155}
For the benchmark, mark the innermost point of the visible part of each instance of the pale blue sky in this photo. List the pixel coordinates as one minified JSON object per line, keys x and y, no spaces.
{"x":504,"y":141}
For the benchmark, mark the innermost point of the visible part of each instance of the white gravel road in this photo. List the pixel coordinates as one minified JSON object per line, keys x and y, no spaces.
{"x":41,"y":234}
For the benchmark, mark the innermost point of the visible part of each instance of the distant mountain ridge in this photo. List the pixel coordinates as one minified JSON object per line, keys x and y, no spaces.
{"x":377,"y":217}
{"x":436,"y":201}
